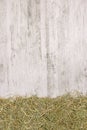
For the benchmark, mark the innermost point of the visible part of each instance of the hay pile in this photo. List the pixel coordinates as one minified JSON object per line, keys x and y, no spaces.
{"x":62,"y":113}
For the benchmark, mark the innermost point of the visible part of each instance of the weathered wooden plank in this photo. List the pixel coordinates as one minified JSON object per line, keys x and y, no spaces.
{"x":43,"y":47}
{"x":3,"y":50}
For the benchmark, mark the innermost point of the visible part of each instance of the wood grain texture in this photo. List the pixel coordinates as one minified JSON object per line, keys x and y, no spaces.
{"x":43,"y":47}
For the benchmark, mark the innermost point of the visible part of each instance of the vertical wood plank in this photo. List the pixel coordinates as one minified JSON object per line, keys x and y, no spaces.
{"x":43,"y":47}
{"x":3,"y":50}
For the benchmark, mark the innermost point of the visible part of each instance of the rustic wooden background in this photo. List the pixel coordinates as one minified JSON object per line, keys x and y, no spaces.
{"x":43,"y":47}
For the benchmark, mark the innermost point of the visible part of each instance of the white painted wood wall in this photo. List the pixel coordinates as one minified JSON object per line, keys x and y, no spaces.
{"x":43,"y":47}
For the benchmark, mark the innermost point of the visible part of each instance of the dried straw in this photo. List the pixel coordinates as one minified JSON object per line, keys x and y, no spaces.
{"x":62,"y":113}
